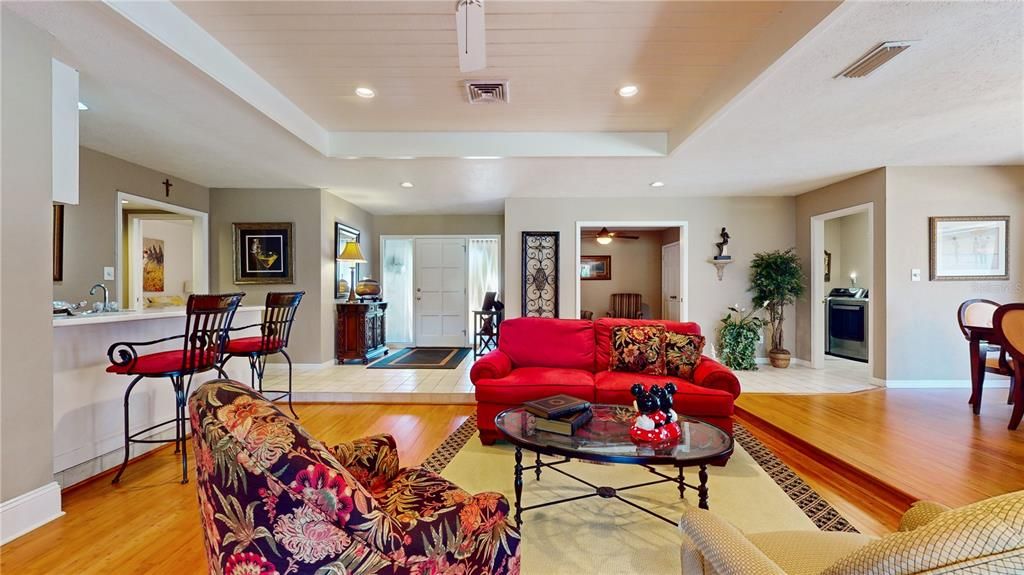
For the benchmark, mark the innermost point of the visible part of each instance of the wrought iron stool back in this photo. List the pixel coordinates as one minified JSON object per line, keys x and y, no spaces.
{"x":275,"y":331}
{"x":207,"y":321}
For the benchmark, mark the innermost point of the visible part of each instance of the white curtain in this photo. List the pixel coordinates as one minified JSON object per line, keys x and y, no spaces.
{"x":396,"y":271}
{"x":484,"y":272}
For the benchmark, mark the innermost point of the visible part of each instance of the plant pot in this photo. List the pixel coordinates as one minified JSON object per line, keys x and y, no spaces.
{"x":779,"y":358}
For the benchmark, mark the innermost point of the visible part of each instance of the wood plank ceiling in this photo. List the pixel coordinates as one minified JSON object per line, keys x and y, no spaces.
{"x":565,"y":60}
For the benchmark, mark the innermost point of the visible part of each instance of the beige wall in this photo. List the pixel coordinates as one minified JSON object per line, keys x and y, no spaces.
{"x":636,"y":268}
{"x":89,"y":227}
{"x":755,"y":223}
{"x":925,"y":342}
{"x":26,"y":281}
{"x":313,"y":213}
{"x":848,"y":239}
{"x":863,"y":189}
{"x":301,"y":207}
{"x":334,"y":209}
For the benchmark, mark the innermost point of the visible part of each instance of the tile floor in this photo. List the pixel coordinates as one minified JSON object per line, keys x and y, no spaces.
{"x":354,"y":383}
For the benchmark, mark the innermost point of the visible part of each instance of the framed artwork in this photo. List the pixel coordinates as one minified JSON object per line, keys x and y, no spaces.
{"x":595,"y":267}
{"x":152,"y":265}
{"x":828,"y":266}
{"x":342,"y":235}
{"x":540,"y":274}
{"x":264,"y":253}
{"x":58,"y":242}
{"x":969,"y":248}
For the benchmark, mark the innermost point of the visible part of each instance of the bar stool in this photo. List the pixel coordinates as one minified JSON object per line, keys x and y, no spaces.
{"x":275,"y":330}
{"x":207,"y":319}
{"x":1009,"y":325}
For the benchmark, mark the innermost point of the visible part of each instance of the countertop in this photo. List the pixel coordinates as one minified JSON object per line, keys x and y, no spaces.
{"x":131,"y":315}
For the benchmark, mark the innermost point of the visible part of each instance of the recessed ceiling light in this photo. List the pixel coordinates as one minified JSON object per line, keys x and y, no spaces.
{"x":82,"y":107}
{"x":406,"y":184}
{"x":124,"y":201}
{"x":657,"y":184}
{"x":365,"y":92}
{"x":628,"y":91}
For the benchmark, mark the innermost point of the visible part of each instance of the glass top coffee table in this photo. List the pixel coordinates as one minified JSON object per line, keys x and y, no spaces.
{"x":605,"y":438}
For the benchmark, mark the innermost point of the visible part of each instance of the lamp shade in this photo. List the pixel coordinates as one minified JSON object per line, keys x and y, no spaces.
{"x":352,"y":254}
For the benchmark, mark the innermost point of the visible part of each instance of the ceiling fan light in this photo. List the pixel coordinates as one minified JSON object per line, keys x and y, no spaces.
{"x":604,"y":240}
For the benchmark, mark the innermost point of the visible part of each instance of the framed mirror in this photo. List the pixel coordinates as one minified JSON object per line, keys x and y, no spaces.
{"x":342,"y":271}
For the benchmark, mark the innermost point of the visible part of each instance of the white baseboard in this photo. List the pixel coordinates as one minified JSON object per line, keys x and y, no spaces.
{"x":943,"y":383}
{"x":28,"y":511}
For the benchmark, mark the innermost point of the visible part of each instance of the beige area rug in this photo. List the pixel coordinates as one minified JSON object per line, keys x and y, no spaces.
{"x":598,"y":535}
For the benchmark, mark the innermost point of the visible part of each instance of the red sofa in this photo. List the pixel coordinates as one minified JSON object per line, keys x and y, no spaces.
{"x":542,"y":357}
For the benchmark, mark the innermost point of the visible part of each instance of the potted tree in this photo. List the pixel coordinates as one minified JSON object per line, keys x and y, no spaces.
{"x":777,"y":280}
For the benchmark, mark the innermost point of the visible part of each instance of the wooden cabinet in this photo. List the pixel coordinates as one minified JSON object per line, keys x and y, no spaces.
{"x":360,"y":331}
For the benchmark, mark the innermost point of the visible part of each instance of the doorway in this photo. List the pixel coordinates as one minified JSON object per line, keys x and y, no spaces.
{"x":162,"y":252}
{"x":842,"y":285}
{"x":645,"y":258}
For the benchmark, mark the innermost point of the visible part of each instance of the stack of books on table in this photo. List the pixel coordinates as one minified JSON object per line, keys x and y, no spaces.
{"x":561,"y":414}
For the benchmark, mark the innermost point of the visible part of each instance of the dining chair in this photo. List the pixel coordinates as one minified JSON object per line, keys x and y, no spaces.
{"x":207,"y":320}
{"x":1009,"y":324}
{"x":975,"y":319}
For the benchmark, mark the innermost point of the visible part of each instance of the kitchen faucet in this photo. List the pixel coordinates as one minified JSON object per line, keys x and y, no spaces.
{"x":106,"y":297}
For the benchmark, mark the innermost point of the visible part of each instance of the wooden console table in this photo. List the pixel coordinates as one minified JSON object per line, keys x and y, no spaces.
{"x":360,"y":331}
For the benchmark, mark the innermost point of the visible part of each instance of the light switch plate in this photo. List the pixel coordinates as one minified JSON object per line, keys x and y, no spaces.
{"x":108,"y":273}
{"x":915,"y":275}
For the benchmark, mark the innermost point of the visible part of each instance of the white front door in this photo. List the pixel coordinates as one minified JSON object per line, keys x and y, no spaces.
{"x":670,"y":282}
{"x":440,"y":279}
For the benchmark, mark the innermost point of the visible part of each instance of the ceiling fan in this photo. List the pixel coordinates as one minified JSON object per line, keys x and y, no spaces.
{"x":605,"y":237}
{"x":469,"y":22}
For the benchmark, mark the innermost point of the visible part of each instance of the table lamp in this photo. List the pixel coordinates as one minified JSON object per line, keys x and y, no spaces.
{"x":352,"y":255}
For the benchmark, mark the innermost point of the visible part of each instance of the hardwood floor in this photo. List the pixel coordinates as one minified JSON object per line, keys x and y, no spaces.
{"x":870,"y":454}
{"x":917,"y":444}
{"x":149,"y":523}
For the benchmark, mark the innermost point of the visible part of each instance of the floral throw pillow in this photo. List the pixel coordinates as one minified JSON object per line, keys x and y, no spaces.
{"x":682,"y":354}
{"x":638,"y":349}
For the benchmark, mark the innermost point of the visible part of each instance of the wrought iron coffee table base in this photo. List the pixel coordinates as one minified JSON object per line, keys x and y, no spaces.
{"x":604,"y":492}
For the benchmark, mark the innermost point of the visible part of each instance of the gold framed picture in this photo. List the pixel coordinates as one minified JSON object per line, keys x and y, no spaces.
{"x":969,"y":248}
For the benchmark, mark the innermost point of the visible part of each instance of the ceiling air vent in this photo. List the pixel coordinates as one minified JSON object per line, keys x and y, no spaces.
{"x":487,"y":91}
{"x":871,"y":61}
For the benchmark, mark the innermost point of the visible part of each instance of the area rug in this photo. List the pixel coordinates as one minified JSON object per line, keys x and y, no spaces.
{"x":423,"y":358}
{"x":755,"y":491}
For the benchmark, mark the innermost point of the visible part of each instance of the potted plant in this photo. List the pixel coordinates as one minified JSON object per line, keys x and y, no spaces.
{"x":738,"y":339}
{"x":777,"y":280}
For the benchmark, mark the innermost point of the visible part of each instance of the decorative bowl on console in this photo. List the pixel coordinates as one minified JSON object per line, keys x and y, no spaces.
{"x":368,"y":288}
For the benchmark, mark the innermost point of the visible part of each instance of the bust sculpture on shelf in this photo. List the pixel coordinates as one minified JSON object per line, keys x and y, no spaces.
{"x":723,"y":252}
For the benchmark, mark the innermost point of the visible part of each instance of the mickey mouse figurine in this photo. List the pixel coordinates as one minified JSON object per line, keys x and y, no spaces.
{"x":652,"y":425}
{"x":665,"y":398}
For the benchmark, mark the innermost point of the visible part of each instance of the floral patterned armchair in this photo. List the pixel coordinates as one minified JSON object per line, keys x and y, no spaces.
{"x":275,"y":501}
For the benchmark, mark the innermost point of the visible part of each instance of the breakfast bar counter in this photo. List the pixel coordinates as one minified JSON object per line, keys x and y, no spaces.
{"x":88,"y":402}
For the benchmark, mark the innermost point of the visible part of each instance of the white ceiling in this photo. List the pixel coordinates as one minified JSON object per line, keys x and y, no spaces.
{"x":954,"y":98}
{"x":565,"y":60}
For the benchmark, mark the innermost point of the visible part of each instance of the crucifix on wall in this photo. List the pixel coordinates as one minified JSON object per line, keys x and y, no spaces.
{"x":167,"y":187}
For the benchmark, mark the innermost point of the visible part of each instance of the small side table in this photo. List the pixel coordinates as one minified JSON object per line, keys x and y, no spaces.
{"x":485,"y":331}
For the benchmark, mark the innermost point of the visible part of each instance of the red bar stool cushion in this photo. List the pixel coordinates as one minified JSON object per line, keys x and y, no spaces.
{"x":256,"y":344}
{"x":164,"y":362}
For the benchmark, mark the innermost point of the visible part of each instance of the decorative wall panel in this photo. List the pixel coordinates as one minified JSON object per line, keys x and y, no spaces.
{"x":540,"y":274}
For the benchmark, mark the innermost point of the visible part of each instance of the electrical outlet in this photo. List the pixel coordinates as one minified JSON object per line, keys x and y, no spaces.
{"x":108,"y":273}
{"x":915,"y":275}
